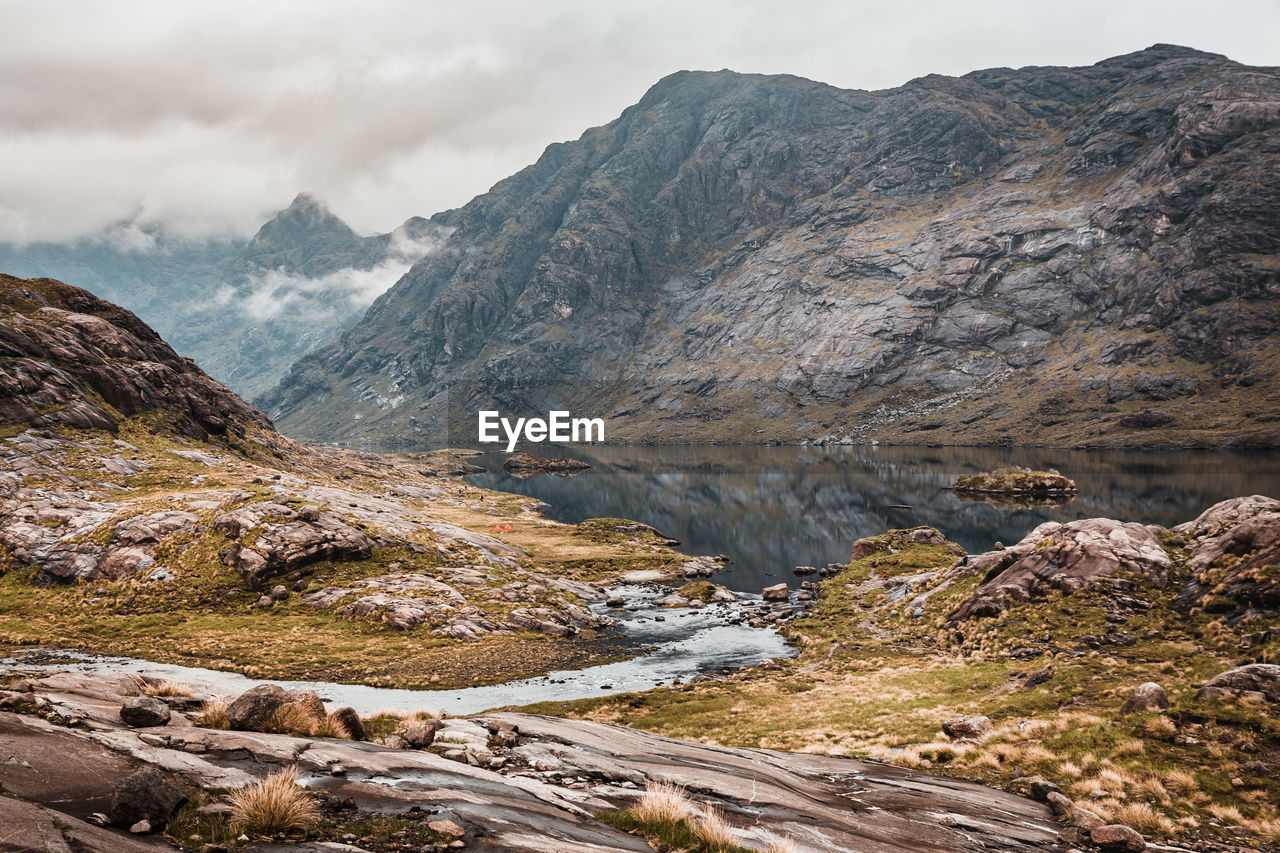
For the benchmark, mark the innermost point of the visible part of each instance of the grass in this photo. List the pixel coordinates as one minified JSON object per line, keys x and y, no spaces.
{"x":275,"y":804}
{"x":667,"y":815}
{"x":871,"y":680}
{"x":213,"y":714}
{"x":207,"y":617}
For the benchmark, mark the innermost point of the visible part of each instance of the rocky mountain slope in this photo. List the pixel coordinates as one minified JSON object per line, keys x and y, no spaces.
{"x":243,"y":309}
{"x":1041,"y":255}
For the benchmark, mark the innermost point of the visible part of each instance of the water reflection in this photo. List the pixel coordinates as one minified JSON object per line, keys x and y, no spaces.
{"x":773,"y":508}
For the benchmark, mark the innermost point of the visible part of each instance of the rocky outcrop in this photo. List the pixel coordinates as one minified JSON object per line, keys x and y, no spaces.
{"x":538,"y":793}
{"x":69,"y":358}
{"x":1232,"y":544}
{"x":275,"y":539}
{"x":1016,"y":481}
{"x":1065,"y":557}
{"x":1041,"y":255}
{"x":1256,"y":680}
{"x":527,"y":464}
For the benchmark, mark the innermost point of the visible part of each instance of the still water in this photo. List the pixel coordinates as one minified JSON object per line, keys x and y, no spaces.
{"x":773,"y":508}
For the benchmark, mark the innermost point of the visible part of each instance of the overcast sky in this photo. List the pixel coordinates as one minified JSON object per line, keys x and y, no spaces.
{"x":210,"y":115}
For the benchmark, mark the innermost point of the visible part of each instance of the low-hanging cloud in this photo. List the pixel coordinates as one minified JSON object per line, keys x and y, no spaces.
{"x":206,"y":116}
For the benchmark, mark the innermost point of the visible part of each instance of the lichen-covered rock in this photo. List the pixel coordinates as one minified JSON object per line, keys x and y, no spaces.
{"x":1232,"y":543}
{"x":1066,"y":557}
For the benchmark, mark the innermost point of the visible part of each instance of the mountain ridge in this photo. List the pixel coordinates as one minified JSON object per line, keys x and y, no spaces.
{"x":818,"y":264}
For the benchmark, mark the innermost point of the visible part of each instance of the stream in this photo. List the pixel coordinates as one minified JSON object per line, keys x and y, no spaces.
{"x":686,"y":643}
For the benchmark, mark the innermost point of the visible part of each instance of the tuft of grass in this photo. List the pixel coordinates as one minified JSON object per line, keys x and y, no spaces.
{"x":662,"y":806}
{"x":213,"y":714}
{"x":779,"y":844}
{"x":1181,"y":782}
{"x":294,"y":719}
{"x":163,"y":687}
{"x":275,"y":804}
{"x":714,"y":833}
{"x":1143,"y":818}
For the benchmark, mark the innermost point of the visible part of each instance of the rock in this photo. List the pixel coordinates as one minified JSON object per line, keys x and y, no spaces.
{"x":1060,"y":803}
{"x":219,"y":809}
{"x":1067,"y":557}
{"x":1016,"y":480}
{"x":1040,"y":676}
{"x":253,"y":708}
{"x":1146,"y":697}
{"x":279,"y":593}
{"x":395,"y":742}
{"x":141,"y":827}
{"x":350,"y":720}
{"x":307,"y":701}
{"x":805,"y":570}
{"x":615,"y":601}
{"x":968,"y":728}
{"x":446,"y":828}
{"x":419,"y":736}
{"x":147,"y":795}
{"x":1117,"y":836}
{"x":1263,"y":678}
{"x":277,"y":540}
{"x":1085,"y":819}
{"x":1041,"y":789}
{"x":142,"y":711}
{"x":777,"y":592}
{"x":529,"y":462}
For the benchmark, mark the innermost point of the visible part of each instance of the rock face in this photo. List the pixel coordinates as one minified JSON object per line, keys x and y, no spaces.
{"x":69,"y":358}
{"x":1056,"y":254}
{"x":1246,"y":532}
{"x":1067,"y":557}
{"x":243,"y":309}
{"x":1256,"y":679}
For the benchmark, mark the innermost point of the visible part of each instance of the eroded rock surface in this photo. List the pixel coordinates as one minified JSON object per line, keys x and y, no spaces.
{"x":553,"y":776}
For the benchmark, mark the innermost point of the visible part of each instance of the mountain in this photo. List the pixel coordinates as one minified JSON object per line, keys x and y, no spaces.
{"x":1063,"y":256}
{"x":244,"y":309}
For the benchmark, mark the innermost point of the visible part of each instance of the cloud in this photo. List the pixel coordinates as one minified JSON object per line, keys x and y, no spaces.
{"x":208,"y":116}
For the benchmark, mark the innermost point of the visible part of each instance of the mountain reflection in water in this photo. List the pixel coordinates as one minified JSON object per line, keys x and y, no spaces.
{"x":773,"y":508}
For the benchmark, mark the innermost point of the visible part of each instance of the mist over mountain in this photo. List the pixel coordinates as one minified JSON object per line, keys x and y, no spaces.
{"x":243,"y":309}
{"x":1061,"y":255}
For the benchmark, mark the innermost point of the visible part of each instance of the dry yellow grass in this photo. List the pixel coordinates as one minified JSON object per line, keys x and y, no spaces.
{"x":779,"y":844}
{"x":274,"y":804}
{"x":1157,"y":728}
{"x":1181,"y":782}
{"x":213,"y":714}
{"x":714,"y":833}
{"x":163,"y":687}
{"x":1228,"y":814}
{"x":662,"y":805}
{"x":1151,"y":788}
{"x":294,"y":719}
{"x":1266,"y":830}
{"x":1143,"y":818}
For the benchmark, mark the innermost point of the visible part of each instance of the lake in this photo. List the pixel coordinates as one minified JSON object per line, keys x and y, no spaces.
{"x":773,"y":508}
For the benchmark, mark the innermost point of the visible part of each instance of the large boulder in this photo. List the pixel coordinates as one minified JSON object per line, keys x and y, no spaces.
{"x":253,"y":708}
{"x":146,"y":795}
{"x":1246,"y":531}
{"x":777,"y":592}
{"x":1146,"y":697}
{"x":1117,"y":836}
{"x":1066,"y":557}
{"x":140,"y":711}
{"x":976,"y":728}
{"x":1256,"y":678}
